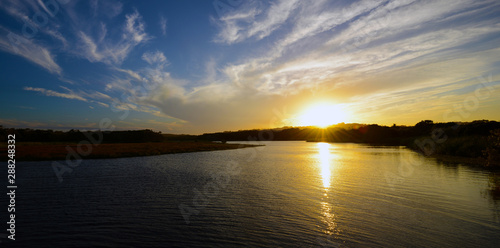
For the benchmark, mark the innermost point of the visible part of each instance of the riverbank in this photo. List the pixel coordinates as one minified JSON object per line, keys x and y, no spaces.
{"x":39,"y":151}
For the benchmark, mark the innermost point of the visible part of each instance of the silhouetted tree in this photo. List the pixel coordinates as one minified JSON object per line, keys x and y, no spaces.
{"x":492,"y":152}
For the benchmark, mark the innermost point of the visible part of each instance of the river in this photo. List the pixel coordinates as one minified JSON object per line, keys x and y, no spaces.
{"x":284,"y":194}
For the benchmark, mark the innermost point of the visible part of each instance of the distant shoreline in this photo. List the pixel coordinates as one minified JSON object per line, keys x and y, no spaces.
{"x":51,"y":151}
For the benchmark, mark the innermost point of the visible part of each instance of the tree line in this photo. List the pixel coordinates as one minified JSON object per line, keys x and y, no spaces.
{"x":74,"y":136}
{"x":480,"y":138}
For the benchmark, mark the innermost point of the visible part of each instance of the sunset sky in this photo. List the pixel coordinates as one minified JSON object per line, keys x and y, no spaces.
{"x":206,"y":66}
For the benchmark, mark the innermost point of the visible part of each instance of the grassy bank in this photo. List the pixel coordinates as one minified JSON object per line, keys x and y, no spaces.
{"x":38,"y":151}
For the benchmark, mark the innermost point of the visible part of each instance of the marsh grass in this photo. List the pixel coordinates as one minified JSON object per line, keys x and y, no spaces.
{"x":37,"y":151}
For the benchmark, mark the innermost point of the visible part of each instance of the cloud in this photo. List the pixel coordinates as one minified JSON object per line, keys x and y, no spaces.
{"x":113,"y":51}
{"x":304,"y":56}
{"x":94,"y":95}
{"x":25,"y":44}
{"x":21,"y":123}
{"x":108,"y":8}
{"x":317,"y":17}
{"x":237,"y":26}
{"x":134,"y":28}
{"x":313,"y":50}
{"x":26,"y":48}
{"x":56,"y":35}
{"x":59,"y":125}
{"x":275,"y":17}
{"x":20,"y":9}
{"x":112,"y":8}
{"x":130,"y":73}
{"x":404,"y":18}
{"x":91,"y":97}
{"x":154,"y":58}
{"x":90,"y":41}
{"x":163,"y":25}
{"x":89,"y":50}
{"x":367,"y":54}
{"x":70,"y":95}
{"x":345,"y":51}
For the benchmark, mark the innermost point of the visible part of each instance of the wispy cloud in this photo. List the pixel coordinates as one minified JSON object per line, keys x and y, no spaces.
{"x":22,"y":41}
{"x":69,"y":95}
{"x":134,"y":28}
{"x":96,"y":97}
{"x":322,"y":59}
{"x":251,"y":22}
{"x":108,"y":8}
{"x":58,"y":125}
{"x":388,"y":55}
{"x":90,"y":41}
{"x":22,"y":123}
{"x":27,"y":49}
{"x":154,"y":58}
{"x":20,"y":9}
{"x":112,"y":51}
{"x":163,"y":25}
{"x":56,"y":35}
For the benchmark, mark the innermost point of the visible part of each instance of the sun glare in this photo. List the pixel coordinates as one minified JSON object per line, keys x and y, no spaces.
{"x":322,"y":115}
{"x":324,"y":158}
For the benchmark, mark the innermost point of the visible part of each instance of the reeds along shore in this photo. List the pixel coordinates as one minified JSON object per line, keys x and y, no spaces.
{"x":61,"y":151}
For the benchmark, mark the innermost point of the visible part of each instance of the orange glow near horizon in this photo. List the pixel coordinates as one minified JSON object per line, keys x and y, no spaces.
{"x":322,"y":115}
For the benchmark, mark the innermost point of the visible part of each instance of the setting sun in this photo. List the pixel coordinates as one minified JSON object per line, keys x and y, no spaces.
{"x":322,"y":115}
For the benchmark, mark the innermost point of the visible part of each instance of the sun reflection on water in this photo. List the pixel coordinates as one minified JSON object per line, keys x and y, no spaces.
{"x":328,"y":215}
{"x":324,"y":160}
{"x":328,"y":218}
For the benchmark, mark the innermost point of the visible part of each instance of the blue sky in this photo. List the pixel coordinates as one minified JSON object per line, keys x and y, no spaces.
{"x":204,"y":66}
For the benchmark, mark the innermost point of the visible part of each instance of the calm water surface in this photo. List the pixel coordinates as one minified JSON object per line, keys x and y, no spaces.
{"x":286,"y":194}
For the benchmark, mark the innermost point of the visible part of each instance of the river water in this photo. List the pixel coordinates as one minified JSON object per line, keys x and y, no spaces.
{"x":284,"y":194}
